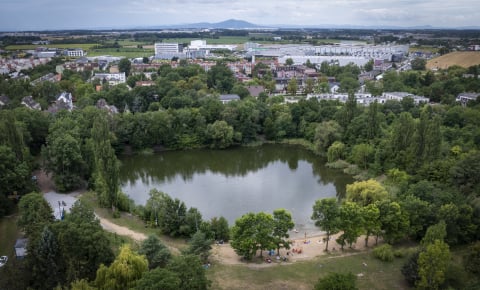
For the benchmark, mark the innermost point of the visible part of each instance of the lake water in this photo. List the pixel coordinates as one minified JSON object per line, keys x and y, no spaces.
{"x":235,"y":181}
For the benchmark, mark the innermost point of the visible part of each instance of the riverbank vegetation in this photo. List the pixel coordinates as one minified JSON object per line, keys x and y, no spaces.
{"x":428,"y":156}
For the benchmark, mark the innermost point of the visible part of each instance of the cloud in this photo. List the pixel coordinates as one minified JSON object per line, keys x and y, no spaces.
{"x":58,"y":14}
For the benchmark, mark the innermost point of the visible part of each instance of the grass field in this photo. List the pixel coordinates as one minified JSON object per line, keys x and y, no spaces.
{"x":303,"y":275}
{"x":423,"y":49}
{"x":84,"y":46}
{"x":121,"y":52}
{"x":461,"y":58}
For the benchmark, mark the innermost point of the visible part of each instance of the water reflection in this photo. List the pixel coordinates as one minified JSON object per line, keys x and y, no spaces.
{"x":232,"y":182}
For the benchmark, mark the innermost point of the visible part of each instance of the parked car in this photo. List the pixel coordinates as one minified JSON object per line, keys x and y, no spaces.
{"x":3,"y":261}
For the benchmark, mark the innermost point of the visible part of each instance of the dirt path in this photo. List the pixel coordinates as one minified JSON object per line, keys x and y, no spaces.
{"x":119,"y":230}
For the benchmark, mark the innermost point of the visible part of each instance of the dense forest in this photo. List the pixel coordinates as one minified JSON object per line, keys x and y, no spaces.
{"x":426,"y":156}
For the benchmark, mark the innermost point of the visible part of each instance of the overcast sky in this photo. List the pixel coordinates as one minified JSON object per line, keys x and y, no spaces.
{"x":68,"y":14}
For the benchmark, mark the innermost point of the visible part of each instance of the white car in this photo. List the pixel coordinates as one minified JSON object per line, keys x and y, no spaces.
{"x":3,"y":260}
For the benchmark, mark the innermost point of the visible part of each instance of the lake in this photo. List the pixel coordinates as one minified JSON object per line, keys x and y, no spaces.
{"x":235,"y":181}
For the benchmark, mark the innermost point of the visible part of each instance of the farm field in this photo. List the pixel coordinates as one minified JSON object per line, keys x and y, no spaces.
{"x":84,"y":46}
{"x":461,"y":58}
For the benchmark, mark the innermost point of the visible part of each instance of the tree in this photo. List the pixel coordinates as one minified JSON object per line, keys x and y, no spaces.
{"x":190,"y":271}
{"x":419,"y":213}
{"x":63,"y":153}
{"x":336,"y":281}
{"x":362,"y":154}
{"x":393,"y":220}
{"x":124,"y":272}
{"x":221,"y":78}
{"x":81,"y":285}
{"x":15,"y":175}
{"x":124,"y":66}
{"x":434,"y":233}
{"x":156,"y":252}
{"x":289,"y":61}
{"x":471,"y":260}
{"x":371,"y":221}
{"x":350,"y":224}
{"x":45,"y":261}
{"x":158,"y":278}
{"x":220,"y":134}
{"x":282,"y":223}
{"x":410,"y":269}
{"x":309,"y":86}
{"x":292,"y":86}
{"x":326,"y":214}
{"x":432,"y":265}
{"x":336,"y":151}
{"x":106,"y":163}
{"x":220,"y":228}
{"x":366,"y":192}
{"x":326,"y":133}
{"x":34,"y":213}
{"x":368,"y":66}
{"x":252,"y":232}
{"x":83,"y":243}
{"x":418,"y":64}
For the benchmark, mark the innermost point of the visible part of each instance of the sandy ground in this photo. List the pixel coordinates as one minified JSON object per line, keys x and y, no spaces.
{"x":301,"y":248}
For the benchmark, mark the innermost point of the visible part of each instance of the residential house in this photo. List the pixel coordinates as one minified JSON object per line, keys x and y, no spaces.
{"x":112,"y":78}
{"x":255,"y":91}
{"x":103,"y":105}
{"x":464,"y":98}
{"x":64,"y":101}
{"x":30,"y":103}
{"x":228,"y":98}
{"x":4,"y":100}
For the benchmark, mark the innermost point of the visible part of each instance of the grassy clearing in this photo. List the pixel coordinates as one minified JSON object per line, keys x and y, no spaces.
{"x":423,"y":48}
{"x":303,"y":275}
{"x":84,"y":46}
{"x":129,"y":53}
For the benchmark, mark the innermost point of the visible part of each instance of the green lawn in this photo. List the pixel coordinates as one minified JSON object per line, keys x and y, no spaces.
{"x":84,"y":46}
{"x":303,"y":275}
{"x":129,"y":53}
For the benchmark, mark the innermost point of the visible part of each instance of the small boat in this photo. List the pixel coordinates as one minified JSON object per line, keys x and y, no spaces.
{"x":3,"y":261}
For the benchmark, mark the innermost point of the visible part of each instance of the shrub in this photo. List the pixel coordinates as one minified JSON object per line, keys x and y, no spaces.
{"x":384,"y":253}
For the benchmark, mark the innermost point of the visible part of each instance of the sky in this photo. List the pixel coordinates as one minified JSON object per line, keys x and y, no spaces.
{"x":17,"y":15}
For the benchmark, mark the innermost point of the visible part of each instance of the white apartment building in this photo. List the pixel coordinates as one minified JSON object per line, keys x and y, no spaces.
{"x":167,"y":48}
{"x":78,"y":52}
{"x":112,"y":79}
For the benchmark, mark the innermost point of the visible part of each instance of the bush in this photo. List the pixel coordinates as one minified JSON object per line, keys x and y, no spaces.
{"x":124,"y":202}
{"x":337,"y":281}
{"x":400,"y":253}
{"x":384,"y":253}
{"x":338,"y":164}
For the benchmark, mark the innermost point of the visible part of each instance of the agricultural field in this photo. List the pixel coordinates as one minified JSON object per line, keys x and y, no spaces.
{"x":84,"y":46}
{"x":423,"y":48}
{"x":461,"y":58}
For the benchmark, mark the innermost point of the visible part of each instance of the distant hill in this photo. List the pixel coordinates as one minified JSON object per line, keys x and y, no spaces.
{"x":227,"y":24}
{"x":462,"y":58}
